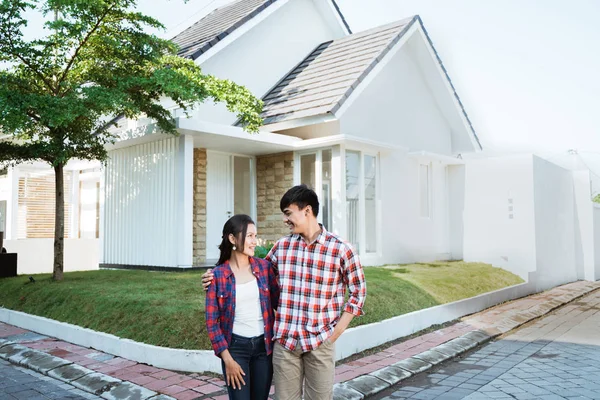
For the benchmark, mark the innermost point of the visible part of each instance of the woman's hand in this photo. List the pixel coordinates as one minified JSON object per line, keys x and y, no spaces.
{"x":207,"y":279}
{"x":233,"y":371}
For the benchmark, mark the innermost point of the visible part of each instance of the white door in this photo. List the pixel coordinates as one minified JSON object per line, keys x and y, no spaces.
{"x":219,"y":200}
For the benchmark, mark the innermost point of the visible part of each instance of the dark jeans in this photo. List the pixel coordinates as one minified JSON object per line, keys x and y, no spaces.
{"x":252,"y":356}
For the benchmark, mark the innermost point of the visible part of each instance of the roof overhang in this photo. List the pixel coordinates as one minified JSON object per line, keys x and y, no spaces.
{"x":234,"y":139}
{"x":299,"y":122}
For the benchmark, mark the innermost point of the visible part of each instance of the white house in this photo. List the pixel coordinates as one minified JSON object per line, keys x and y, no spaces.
{"x":27,"y":203}
{"x":370,"y":120}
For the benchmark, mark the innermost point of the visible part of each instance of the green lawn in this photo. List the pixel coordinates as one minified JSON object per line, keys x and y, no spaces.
{"x":167,"y":309}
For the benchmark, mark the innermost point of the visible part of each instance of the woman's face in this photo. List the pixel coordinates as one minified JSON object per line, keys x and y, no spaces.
{"x":250,"y":243}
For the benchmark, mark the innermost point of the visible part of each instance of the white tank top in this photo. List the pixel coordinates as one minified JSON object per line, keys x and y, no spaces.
{"x":248,"y":319}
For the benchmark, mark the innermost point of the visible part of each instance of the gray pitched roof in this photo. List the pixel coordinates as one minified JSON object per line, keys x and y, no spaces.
{"x":207,"y":32}
{"x":324,"y":79}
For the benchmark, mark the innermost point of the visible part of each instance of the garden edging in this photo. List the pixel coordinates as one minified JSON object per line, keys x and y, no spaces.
{"x":353,"y":341}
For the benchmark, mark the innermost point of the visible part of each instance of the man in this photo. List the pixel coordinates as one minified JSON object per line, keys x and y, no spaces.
{"x":314,"y":268}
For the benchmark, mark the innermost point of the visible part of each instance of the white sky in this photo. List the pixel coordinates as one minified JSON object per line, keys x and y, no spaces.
{"x":527,"y":71}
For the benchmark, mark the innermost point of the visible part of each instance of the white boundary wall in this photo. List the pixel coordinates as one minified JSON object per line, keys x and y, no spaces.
{"x":530,"y":216}
{"x":353,"y":341}
{"x":36,"y":256}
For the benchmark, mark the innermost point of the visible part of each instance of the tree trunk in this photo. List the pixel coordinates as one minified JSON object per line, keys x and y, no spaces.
{"x":59,"y":223}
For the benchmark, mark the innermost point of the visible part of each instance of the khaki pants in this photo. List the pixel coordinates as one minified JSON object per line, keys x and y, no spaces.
{"x":316,"y":368}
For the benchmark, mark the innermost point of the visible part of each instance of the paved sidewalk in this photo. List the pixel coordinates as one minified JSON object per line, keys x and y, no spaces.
{"x":115,"y":377}
{"x":22,"y":383}
{"x":554,"y":357}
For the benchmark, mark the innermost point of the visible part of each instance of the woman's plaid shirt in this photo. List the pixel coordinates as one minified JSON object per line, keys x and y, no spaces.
{"x":313,"y":280}
{"x":220,"y":303}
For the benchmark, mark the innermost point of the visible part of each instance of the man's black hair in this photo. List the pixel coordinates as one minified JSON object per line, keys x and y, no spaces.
{"x":301,"y":196}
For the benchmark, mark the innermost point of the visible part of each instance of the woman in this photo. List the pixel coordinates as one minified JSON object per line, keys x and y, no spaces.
{"x":239,"y":312}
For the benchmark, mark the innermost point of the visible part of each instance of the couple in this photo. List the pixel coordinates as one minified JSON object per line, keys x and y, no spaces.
{"x":304,"y":278}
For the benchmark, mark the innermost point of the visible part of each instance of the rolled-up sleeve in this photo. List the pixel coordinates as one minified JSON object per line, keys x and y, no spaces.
{"x":354,"y":278}
{"x":213,"y":319}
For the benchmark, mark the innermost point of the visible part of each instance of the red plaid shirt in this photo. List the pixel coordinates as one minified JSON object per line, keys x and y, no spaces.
{"x":313,"y":280}
{"x":220,"y":303}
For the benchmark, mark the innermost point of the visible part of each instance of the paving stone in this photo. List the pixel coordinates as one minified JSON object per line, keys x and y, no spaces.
{"x":449,"y":349}
{"x":96,"y":383}
{"x":162,"y":397}
{"x":40,"y":361}
{"x":413,"y":365}
{"x":11,"y":350}
{"x":129,"y":391}
{"x":431,"y":356}
{"x":341,"y":391}
{"x":367,"y":384}
{"x":391,"y":374}
{"x":26,"y":337}
{"x":464,"y":342}
{"x":477,"y":336}
{"x":69,"y":373}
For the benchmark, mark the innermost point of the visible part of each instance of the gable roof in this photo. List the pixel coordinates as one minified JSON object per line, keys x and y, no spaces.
{"x":215,"y":26}
{"x":324,"y":80}
{"x":220,"y":23}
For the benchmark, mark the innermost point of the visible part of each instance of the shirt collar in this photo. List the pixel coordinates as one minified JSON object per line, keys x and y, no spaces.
{"x":253,"y":265}
{"x":321,"y":238}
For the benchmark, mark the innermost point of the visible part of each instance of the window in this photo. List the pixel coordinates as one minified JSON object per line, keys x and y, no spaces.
{"x":370,"y":163}
{"x":424,"y":191}
{"x":315,"y":172}
{"x":353,"y":198}
{"x":361,"y":201}
{"x":308,"y":169}
{"x":325,"y":198}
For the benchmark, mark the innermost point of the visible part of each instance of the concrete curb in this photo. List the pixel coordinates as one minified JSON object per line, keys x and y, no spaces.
{"x":160,"y":357}
{"x":367,"y":385}
{"x":82,"y":378}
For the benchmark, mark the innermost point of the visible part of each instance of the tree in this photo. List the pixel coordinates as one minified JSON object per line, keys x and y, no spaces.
{"x":59,"y":93}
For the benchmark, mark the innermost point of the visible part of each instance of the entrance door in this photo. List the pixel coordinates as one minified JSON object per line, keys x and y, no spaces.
{"x":229,"y":191}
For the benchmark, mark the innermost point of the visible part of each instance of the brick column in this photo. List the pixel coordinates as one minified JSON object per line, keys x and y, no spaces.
{"x":199,"y":207}
{"x":274,"y":176}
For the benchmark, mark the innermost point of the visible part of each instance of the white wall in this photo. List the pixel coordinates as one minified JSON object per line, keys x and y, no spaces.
{"x":36,"y":256}
{"x":398,"y":108}
{"x":143,"y":203}
{"x":596,"y":241}
{"x":456,"y":207}
{"x":491,"y":236}
{"x":5,"y":187}
{"x":552,"y":237}
{"x":584,"y":226}
{"x":554,"y":224}
{"x":267,"y":52}
{"x":406,"y":236}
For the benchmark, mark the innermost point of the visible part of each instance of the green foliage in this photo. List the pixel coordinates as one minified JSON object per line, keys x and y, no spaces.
{"x":96,"y":63}
{"x":262,"y":251}
{"x":172,"y":303}
{"x":596,"y":198}
{"x":60,"y":94}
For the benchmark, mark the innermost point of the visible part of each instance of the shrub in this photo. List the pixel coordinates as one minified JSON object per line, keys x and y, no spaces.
{"x":262,"y":251}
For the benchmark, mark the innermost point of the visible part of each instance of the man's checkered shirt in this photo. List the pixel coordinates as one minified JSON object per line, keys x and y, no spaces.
{"x":313,"y":280}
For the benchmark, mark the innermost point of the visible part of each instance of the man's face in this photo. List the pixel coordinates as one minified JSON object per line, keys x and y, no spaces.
{"x":296,"y":219}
